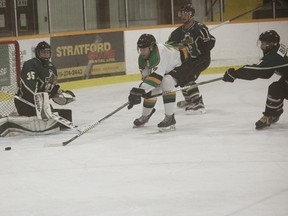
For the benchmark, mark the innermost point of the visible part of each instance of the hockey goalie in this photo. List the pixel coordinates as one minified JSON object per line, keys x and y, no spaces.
{"x":38,"y":84}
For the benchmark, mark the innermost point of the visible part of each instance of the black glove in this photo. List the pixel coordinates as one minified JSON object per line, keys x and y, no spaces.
{"x":54,"y":91}
{"x":135,"y":96}
{"x":229,"y":75}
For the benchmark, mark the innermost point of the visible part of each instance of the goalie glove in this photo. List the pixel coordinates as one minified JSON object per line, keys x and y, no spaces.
{"x":64,"y":97}
{"x":54,"y":91}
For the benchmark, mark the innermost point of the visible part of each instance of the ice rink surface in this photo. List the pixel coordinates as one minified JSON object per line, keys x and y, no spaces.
{"x":214,"y":164}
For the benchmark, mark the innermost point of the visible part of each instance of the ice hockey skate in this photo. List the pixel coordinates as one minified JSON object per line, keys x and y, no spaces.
{"x":168,"y":124}
{"x":197,"y":107}
{"x":266,"y":121}
{"x":184,"y":103}
{"x":191,"y":95}
{"x":140,"y":122}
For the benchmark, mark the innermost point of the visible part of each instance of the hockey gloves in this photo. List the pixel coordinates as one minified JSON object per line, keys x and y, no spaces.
{"x":53,"y":91}
{"x":135,"y":97}
{"x":229,"y":75}
{"x":64,"y":97}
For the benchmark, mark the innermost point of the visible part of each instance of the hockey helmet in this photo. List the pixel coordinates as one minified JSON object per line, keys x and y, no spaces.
{"x":187,"y":9}
{"x":270,"y":36}
{"x":43,"y":51}
{"x":146,"y":40}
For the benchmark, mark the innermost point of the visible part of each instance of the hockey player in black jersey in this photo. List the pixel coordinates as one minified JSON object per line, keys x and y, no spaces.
{"x":274,"y":60}
{"x":38,"y":75}
{"x":196,"y":36}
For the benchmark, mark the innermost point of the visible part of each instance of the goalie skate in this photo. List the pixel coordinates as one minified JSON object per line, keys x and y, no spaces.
{"x":140,"y":122}
{"x":168,"y":124}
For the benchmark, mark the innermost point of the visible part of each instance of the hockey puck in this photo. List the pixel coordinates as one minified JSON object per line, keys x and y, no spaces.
{"x":7,"y":148}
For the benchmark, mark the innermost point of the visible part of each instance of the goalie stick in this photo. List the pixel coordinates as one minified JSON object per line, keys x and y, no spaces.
{"x":55,"y":116}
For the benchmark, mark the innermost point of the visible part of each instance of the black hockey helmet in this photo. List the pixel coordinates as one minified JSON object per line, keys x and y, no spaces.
{"x":270,"y":36}
{"x":188,"y":8}
{"x":43,"y":51}
{"x":146,"y":40}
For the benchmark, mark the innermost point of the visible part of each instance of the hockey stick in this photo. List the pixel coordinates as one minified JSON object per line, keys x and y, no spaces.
{"x":55,"y":116}
{"x":234,"y":18}
{"x":93,"y":125}
{"x":185,"y":87}
{"x":127,"y":103}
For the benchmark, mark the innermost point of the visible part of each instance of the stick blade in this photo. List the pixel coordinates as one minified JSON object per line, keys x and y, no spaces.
{"x":70,"y":140}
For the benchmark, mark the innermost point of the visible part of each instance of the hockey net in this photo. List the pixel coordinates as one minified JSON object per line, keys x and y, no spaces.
{"x":9,"y":75}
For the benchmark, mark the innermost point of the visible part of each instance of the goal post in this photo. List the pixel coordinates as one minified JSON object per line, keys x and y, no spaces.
{"x":10,"y":67}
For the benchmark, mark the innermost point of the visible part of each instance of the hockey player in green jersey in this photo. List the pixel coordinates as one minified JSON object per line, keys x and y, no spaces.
{"x":37,"y":75}
{"x":274,"y":60}
{"x":196,"y":36}
{"x":155,"y":62}
{"x":40,"y":75}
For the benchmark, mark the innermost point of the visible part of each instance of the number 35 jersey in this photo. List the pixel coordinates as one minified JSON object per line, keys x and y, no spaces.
{"x":36,"y":77}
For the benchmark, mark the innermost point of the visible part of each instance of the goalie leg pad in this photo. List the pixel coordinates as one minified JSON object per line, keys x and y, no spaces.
{"x":42,"y":105}
{"x":17,"y":125}
{"x":4,"y":127}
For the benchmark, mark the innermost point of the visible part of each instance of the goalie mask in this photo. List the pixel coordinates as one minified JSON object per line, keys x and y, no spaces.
{"x":43,"y":51}
{"x":64,"y":97}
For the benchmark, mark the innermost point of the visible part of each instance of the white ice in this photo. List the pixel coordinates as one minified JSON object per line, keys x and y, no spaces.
{"x":215,"y":164}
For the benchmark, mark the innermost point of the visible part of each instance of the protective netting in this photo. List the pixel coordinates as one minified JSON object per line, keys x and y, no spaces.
{"x":9,"y":70}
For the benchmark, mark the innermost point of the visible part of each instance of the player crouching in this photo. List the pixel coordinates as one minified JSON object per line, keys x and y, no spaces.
{"x":38,"y":84}
{"x":155,"y":62}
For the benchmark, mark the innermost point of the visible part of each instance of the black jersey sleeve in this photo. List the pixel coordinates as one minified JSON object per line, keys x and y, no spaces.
{"x":251,"y":72}
{"x":175,"y":36}
{"x":206,"y":41}
{"x":273,"y":62}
